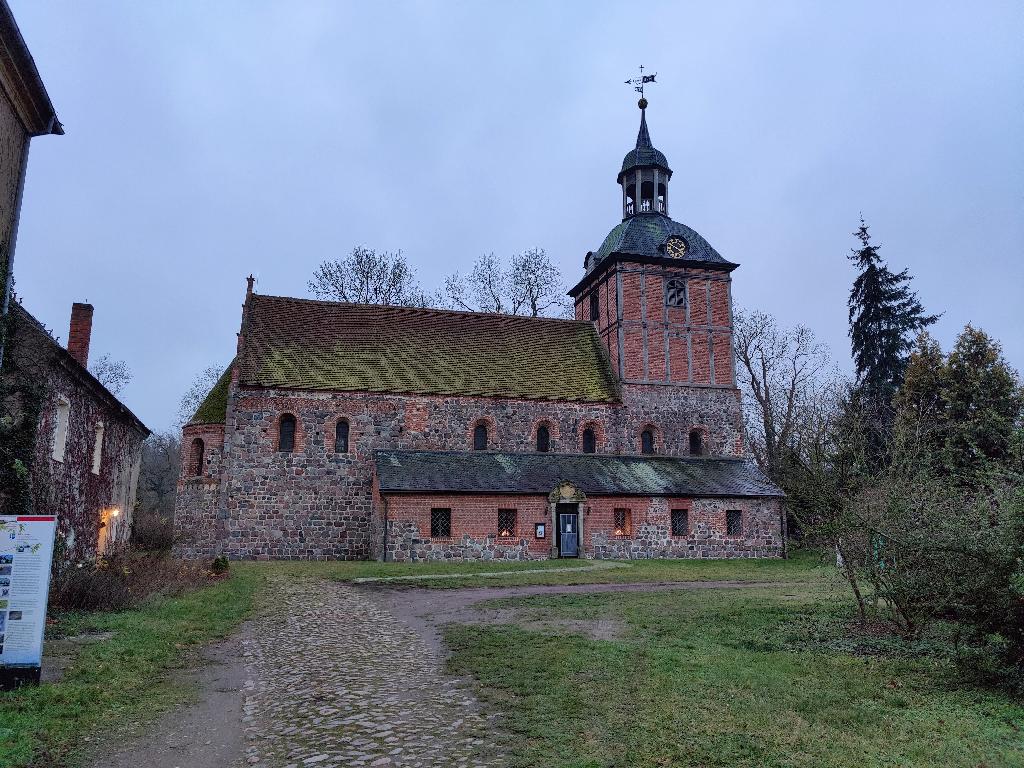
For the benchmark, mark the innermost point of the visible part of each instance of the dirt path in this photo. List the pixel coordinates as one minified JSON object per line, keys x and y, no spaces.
{"x":207,"y":734}
{"x":428,"y":610}
{"x":341,"y":675}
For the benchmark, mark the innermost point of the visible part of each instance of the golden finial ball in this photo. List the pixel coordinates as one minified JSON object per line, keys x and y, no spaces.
{"x":642,"y":103}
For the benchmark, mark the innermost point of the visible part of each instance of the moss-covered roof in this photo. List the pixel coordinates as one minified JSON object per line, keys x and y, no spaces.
{"x":304,"y":344}
{"x":214,"y":408}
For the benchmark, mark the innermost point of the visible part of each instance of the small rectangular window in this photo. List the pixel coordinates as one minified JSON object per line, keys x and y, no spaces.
{"x":734,"y":522}
{"x":595,"y":307}
{"x":680,"y":522}
{"x":675,"y":293}
{"x":506,"y":522}
{"x":623,"y":521}
{"x":440,"y":523}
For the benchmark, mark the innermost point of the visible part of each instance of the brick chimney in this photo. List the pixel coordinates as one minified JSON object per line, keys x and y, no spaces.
{"x":80,"y":333}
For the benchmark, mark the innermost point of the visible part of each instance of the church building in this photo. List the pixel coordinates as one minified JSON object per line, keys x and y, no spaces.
{"x":351,"y":431}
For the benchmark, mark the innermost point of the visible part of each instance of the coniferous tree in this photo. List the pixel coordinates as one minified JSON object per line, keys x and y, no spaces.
{"x":885,"y":317}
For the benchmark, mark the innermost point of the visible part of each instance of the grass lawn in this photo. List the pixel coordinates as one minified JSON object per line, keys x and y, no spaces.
{"x":804,"y":566}
{"x":123,"y":678}
{"x":758,"y":677}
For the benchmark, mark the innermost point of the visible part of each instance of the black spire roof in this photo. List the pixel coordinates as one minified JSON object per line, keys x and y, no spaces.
{"x":644,"y":155}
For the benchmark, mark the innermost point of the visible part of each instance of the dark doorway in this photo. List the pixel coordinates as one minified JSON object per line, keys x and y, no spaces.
{"x":568,"y":530}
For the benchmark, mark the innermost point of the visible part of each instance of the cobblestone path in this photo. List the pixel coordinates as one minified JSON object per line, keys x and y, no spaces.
{"x":337,"y":680}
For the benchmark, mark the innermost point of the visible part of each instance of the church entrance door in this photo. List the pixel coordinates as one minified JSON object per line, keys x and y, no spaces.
{"x":568,"y":530}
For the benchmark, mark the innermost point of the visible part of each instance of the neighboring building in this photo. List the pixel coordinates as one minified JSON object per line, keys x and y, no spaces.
{"x":85,"y":446}
{"x":25,"y":112}
{"x":352,"y":431}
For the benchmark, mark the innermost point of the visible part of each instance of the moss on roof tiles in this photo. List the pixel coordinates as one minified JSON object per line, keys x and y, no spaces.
{"x":214,"y":408}
{"x":305,"y":344}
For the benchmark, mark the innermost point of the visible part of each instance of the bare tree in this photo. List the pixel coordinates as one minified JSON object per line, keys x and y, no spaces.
{"x":112,"y":374}
{"x":783,"y":374}
{"x":368,"y":277}
{"x":153,"y":522}
{"x":529,"y":285}
{"x":197,"y":392}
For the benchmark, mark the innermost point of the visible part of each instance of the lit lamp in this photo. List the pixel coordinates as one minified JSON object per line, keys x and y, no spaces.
{"x":115,"y":512}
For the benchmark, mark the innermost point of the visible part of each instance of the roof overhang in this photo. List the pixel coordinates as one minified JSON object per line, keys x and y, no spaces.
{"x":21,"y":82}
{"x":636,"y":258}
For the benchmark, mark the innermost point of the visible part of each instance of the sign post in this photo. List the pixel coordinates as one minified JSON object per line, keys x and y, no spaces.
{"x":26,"y":553}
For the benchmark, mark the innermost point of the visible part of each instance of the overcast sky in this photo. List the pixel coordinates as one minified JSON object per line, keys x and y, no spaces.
{"x":208,"y":140}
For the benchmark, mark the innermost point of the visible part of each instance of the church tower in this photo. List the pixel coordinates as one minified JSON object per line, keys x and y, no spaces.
{"x":660,"y":296}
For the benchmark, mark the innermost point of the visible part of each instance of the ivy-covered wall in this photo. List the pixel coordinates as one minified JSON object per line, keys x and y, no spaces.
{"x":38,"y":373}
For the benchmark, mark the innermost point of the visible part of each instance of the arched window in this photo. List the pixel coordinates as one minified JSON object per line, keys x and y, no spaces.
{"x":589,"y":440}
{"x":543,"y":439}
{"x":696,"y":443}
{"x":341,"y":436}
{"x":286,"y":434}
{"x":647,"y":441}
{"x":198,"y":451}
{"x":480,"y":437}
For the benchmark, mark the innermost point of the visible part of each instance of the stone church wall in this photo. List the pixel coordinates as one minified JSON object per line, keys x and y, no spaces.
{"x":317,"y":503}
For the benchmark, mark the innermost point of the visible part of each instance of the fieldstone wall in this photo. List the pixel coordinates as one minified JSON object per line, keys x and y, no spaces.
{"x":317,"y":503}
{"x":650,"y":531}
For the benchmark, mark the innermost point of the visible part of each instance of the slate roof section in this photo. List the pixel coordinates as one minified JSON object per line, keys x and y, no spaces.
{"x":644,"y":155}
{"x":645,"y":234}
{"x":318,"y":345}
{"x":594,"y":474}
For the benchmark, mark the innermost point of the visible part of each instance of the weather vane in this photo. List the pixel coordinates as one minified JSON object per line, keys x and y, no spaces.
{"x":638,"y":83}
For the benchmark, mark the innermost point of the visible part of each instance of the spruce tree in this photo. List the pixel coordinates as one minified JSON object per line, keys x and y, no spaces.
{"x":885,"y":318}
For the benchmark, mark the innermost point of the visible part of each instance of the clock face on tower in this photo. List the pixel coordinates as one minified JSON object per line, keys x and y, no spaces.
{"x":676,"y":247}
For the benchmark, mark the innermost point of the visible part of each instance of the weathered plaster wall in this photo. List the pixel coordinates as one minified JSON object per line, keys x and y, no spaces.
{"x":13,"y":145}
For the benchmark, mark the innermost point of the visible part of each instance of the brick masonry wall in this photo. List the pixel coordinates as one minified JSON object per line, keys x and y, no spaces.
{"x":656,"y":343}
{"x":474,"y":528}
{"x":650,"y":531}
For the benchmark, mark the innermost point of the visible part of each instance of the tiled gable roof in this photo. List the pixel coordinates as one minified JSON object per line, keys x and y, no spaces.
{"x":305,"y":344}
{"x":594,"y":474}
{"x":214,"y":408}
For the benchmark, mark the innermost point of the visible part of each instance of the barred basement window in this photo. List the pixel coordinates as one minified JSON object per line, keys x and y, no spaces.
{"x":286,"y":434}
{"x":506,"y":522}
{"x":734,"y":522}
{"x":595,"y":306}
{"x":589,"y":440}
{"x":543,"y":439}
{"x":341,"y":436}
{"x":680,"y":522}
{"x":623,"y":520}
{"x":675,"y":293}
{"x":440,"y":523}
{"x":480,"y":437}
{"x":647,"y":441}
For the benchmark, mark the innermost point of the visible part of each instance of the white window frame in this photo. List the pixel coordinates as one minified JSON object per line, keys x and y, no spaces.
{"x":97,"y":449}
{"x":61,"y":427}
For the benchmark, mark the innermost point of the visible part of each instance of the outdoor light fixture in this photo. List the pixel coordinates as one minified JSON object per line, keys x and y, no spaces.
{"x":115,"y":512}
